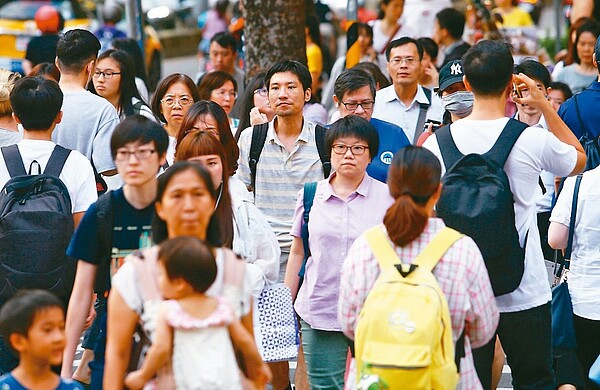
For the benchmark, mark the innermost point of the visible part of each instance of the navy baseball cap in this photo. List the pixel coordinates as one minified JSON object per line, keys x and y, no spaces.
{"x":450,"y":73}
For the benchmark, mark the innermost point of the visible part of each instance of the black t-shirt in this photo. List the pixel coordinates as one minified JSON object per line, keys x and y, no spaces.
{"x":131,"y":231}
{"x":42,"y":49}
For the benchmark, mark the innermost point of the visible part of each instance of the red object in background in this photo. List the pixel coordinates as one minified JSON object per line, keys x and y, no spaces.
{"x":47,"y":19}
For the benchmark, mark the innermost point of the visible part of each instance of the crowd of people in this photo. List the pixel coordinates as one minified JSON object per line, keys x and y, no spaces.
{"x":402,"y":219}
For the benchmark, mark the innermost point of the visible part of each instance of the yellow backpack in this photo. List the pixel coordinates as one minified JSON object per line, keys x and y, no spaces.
{"x":403,"y":337}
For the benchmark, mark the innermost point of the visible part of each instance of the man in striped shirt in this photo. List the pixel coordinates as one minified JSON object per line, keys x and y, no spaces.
{"x":289,"y":159}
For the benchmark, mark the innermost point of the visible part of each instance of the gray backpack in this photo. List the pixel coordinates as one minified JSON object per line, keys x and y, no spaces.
{"x":36,"y":225}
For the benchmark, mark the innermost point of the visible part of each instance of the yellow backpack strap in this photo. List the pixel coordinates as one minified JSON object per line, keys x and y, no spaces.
{"x":434,"y":251}
{"x":381,"y":247}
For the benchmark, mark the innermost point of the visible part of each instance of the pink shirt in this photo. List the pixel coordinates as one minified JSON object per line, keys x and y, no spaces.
{"x":462,"y":276}
{"x":333,"y":226}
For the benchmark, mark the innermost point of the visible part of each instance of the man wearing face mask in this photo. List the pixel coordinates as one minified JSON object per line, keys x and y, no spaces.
{"x":456,"y":100}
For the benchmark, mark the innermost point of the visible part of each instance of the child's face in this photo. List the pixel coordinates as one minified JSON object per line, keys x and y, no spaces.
{"x":45,"y":339}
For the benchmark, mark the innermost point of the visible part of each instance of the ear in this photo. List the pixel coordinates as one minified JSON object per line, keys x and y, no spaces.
{"x":18,"y":342}
{"x":159,"y":210}
{"x":16,"y":118}
{"x":307,"y":94}
{"x":336,"y":101}
{"x":594,"y":60}
{"x":467,"y":85}
{"x":58,"y":118}
{"x":163,"y":160}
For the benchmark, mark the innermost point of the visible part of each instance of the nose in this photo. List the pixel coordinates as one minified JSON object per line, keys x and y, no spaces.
{"x":188,"y":203}
{"x":359,"y":110}
{"x":135,"y":158}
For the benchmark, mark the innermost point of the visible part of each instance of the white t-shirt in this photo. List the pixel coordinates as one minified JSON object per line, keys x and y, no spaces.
{"x":77,"y":173}
{"x":535,"y":150}
{"x":584,"y":273}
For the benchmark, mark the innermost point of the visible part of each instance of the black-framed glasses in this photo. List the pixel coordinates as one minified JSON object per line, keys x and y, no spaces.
{"x":351,"y":106}
{"x":140,"y":154}
{"x":107,"y":74}
{"x":356,"y":150}
{"x":261,"y":91}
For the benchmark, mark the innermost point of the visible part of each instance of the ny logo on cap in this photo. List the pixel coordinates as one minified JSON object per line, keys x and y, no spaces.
{"x":455,"y":69}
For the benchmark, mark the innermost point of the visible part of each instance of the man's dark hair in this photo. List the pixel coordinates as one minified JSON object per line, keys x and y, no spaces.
{"x":353,"y":126}
{"x":75,"y":49}
{"x":452,"y":20}
{"x":562,"y":87}
{"x":429,"y":46}
{"x":138,"y":128}
{"x":351,"y":80}
{"x":18,"y":313}
{"x":224,"y":40}
{"x":291,"y":66}
{"x":401,"y":42}
{"x":36,"y":101}
{"x":488,"y":66}
{"x":190,"y":259}
{"x":534,"y":70}
{"x":597,"y":53}
{"x":375,"y":72}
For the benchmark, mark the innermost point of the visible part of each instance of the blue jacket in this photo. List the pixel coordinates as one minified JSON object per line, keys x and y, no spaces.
{"x":588,"y":101}
{"x":391,"y":139}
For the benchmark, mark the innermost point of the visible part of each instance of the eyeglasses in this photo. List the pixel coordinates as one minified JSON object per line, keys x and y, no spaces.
{"x":407,"y":60}
{"x":356,"y":150}
{"x":140,"y":154}
{"x":261,"y":91}
{"x":221,"y":93}
{"x":107,"y":74}
{"x":183,"y":101}
{"x":353,"y":106}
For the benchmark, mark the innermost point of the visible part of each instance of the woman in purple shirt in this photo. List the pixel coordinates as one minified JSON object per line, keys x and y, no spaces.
{"x":345,"y":205}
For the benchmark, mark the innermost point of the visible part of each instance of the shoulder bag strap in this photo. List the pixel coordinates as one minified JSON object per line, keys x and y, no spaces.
{"x":423,"y":108}
{"x":259,"y":136}
{"x":323,"y":152}
{"x":448,"y":148}
{"x":390,"y":38}
{"x":505,"y":142}
{"x":436,"y":248}
{"x":57,"y":161}
{"x":567,"y":257}
{"x":579,"y":115}
{"x":14,"y":161}
{"x":310,"y":190}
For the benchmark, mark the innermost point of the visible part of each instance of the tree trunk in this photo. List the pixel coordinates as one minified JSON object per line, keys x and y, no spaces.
{"x":273,"y":31}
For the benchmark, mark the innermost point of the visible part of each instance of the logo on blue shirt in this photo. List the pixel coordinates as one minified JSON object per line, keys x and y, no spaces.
{"x":386,"y":157}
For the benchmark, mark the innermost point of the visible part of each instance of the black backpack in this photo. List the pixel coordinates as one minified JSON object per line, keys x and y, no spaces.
{"x":36,"y":225}
{"x":259,"y":136}
{"x":477,"y":200}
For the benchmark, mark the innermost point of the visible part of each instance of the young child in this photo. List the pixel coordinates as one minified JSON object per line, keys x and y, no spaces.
{"x":194,"y":330}
{"x":33,"y":322}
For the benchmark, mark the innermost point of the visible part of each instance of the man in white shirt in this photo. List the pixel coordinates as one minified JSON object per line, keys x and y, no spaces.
{"x":406,"y":103}
{"x":525,"y":322}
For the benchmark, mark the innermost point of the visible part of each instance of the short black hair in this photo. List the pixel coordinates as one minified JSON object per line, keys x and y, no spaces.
{"x":36,"y":101}
{"x":353,"y":126}
{"x":18,"y":313}
{"x":375,"y":72}
{"x":352,"y":79}
{"x":291,"y":66}
{"x":596,"y":52}
{"x":534,"y":70}
{"x":401,"y":42}
{"x":488,"y":65}
{"x":429,"y":46}
{"x":75,"y":49}
{"x":453,"y":21}
{"x":138,"y":128}
{"x":190,"y":259}
{"x":225,"y":40}
{"x":562,"y":87}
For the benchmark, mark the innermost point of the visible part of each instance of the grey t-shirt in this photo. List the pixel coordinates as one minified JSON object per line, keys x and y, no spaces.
{"x":575,"y":80}
{"x":87,"y":125}
{"x":8,"y":137}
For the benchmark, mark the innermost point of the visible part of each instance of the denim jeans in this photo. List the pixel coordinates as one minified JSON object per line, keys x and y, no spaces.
{"x":526,"y":340}
{"x":325,"y":353}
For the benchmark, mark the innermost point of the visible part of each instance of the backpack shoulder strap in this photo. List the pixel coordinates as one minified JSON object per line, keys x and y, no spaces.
{"x":448,"y":148}
{"x":259,"y":136}
{"x":14,"y":161}
{"x":104,"y":220}
{"x":583,"y":129}
{"x":505,"y":142}
{"x":436,"y":248}
{"x":57,"y":161}
{"x":381,"y":247}
{"x":310,"y":190}
{"x":323,"y":152}
{"x":423,"y":108}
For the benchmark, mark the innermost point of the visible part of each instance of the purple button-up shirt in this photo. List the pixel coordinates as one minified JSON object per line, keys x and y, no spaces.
{"x":333,"y":226}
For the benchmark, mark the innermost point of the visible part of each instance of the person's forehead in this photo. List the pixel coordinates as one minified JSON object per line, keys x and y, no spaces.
{"x":285,"y":77}
{"x":215,"y":46}
{"x":363,"y":92}
{"x":137,"y":145}
{"x":407,"y":48}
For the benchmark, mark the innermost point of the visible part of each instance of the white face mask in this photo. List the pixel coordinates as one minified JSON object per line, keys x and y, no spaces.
{"x":459,"y":103}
